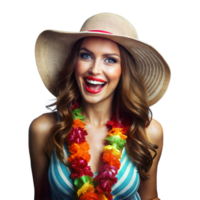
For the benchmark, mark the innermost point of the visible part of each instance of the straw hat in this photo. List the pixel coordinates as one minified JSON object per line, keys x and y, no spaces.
{"x":53,"y":47}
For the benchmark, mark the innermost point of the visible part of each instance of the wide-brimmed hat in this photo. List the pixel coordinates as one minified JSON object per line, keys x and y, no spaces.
{"x":53,"y":47}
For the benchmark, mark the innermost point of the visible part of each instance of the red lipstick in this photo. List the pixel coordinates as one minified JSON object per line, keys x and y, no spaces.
{"x":94,"y":79}
{"x":93,"y":91}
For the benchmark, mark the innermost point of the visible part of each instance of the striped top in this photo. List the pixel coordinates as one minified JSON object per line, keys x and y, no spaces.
{"x":62,"y":187}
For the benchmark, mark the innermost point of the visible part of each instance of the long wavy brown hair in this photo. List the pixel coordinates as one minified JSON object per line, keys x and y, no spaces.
{"x":129,"y":103}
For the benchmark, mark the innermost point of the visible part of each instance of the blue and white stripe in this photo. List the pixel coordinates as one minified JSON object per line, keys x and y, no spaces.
{"x":128,"y":180}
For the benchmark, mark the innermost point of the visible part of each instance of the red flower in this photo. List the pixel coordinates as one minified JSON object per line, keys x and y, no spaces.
{"x":106,"y":178}
{"x":79,"y":167}
{"x":75,"y":105}
{"x":119,"y":124}
{"x":76,"y":135}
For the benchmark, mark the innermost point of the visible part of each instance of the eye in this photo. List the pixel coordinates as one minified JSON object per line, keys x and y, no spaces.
{"x":110,"y":60}
{"x":85,"y":56}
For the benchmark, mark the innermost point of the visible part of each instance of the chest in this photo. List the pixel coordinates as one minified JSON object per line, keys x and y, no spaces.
{"x":96,"y":139}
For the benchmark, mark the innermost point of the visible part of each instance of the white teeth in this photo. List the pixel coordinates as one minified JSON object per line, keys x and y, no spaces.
{"x":94,"y":82}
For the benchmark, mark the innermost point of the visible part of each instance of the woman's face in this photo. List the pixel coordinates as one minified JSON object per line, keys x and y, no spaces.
{"x":98,"y":69}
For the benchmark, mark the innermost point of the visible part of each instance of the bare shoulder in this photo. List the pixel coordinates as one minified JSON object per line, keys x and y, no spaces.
{"x":40,"y":130}
{"x":155,"y":132}
{"x":43,"y":123}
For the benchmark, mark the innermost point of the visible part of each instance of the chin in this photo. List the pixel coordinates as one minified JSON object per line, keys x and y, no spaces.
{"x":91,"y":100}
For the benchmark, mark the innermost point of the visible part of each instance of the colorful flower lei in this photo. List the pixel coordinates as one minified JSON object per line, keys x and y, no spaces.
{"x":87,"y":187}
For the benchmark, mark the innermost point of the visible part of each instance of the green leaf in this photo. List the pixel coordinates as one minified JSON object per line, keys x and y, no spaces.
{"x":79,"y":182}
{"x":116,"y":141}
{"x":77,"y":114}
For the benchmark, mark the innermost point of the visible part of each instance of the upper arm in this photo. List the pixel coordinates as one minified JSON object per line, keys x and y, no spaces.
{"x":39,"y":133}
{"x":148,"y":188}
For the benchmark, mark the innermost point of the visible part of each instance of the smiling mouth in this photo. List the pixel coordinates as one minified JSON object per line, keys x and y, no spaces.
{"x":93,"y":86}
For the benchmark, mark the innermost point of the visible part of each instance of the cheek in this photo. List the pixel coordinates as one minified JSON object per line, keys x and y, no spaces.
{"x":81,"y":68}
{"x":115,"y":73}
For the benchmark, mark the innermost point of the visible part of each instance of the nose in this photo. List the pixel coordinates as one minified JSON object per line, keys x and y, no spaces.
{"x":96,"y":67}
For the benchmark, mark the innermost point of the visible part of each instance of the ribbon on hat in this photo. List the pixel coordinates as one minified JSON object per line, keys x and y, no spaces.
{"x":100,"y":31}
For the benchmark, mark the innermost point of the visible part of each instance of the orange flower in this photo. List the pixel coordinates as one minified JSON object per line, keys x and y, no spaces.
{"x":89,"y":196}
{"x":111,"y":159}
{"x":117,"y":131}
{"x":79,"y":150}
{"x":78,"y":124}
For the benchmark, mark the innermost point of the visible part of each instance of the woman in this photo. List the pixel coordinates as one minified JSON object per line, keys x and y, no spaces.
{"x":104,"y":79}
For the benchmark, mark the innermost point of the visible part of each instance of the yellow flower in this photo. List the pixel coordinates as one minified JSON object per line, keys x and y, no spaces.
{"x":87,"y":187}
{"x":113,"y":150}
{"x":117,"y":131}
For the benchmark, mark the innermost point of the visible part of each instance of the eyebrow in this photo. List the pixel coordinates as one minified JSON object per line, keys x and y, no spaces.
{"x":111,"y":54}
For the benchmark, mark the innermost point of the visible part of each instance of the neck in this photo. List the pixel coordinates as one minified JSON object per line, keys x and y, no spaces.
{"x":97,"y":114}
